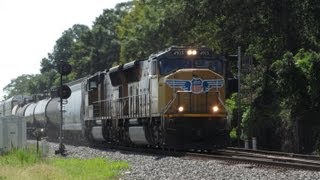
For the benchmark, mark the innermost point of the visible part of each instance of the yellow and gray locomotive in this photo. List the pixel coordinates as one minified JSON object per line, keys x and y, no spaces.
{"x":173,"y":99}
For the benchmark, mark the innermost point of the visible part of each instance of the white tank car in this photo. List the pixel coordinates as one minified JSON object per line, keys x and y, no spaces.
{"x":15,"y":109}
{"x":12,"y":105}
{"x":21,"y":110}
{"x":73,"y":111}
{"x":9,"y":104}
{"x":53,"y":112}
{"x":28,"y":114}
{"x":40,"y":117}
{"x":46,"y":113}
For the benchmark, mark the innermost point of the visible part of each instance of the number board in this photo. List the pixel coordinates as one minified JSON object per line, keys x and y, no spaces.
{"x":179,"y":52}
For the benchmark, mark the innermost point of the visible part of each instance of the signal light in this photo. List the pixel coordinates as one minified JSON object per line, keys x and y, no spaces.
{"x":64,"y":92}
{"x":64,"y":68}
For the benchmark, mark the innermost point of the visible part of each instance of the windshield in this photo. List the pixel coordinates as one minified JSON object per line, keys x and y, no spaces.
{"x":170,"y":65}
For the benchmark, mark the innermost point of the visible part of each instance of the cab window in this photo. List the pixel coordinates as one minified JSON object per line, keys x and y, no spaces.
{"x":170,"y":65}
{"x":214,"y":65}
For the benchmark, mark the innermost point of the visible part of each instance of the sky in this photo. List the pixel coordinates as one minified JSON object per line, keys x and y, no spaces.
{"x":30,"y":28}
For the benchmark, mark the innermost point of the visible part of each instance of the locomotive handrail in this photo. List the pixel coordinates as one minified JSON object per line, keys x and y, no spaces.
{"x":137,"y":108}
{"x":165,"y":109}
{"x":105,"y":100}
{"x":220,"y":100}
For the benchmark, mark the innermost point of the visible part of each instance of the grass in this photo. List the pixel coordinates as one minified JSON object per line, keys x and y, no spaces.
{"x":20,"y":157}
{"x":27,"y":164}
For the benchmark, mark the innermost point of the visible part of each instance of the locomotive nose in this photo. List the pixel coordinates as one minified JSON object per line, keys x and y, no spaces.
{"x":194,"y":91}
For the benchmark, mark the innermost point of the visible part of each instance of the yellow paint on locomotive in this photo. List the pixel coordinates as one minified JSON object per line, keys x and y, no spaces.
{"x":191,"y":104}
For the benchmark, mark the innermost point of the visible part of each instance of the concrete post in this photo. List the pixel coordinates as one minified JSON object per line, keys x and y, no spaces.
{"x":44,"y":148}
{"x":254,"y":143}
{"x":246,"y":144}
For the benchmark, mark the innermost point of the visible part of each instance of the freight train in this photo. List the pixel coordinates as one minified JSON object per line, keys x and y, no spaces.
{"x":173,"y":99}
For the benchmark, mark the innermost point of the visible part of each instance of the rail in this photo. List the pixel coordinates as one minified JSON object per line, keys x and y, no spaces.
{"x":260,"y":158}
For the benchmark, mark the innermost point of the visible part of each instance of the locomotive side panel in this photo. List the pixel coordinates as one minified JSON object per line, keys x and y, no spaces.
{"x":154,"y":95}
{"x":108,"y":95}
{"x":133,"y":99}
{"x":144,"y":90}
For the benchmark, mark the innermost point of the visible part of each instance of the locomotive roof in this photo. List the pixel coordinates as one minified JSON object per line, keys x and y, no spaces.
{"x":167,"y":51}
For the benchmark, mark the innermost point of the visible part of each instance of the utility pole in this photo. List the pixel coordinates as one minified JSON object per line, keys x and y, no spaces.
{"x":239,"y":97}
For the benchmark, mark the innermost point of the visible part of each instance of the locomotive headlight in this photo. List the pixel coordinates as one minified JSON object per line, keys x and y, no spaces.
{"x":191,"y":52}
{"x":180,"y":109}
{"x":215,"y":108}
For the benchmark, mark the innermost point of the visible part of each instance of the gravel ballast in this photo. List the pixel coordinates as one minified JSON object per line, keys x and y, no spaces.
{"x":164,"y":167}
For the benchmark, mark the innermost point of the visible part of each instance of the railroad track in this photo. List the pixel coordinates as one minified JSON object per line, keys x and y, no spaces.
{"x":234,"y":155}
{"x":238,"y":155}
{"x":267,"y":158}
{"x":302,"y":156}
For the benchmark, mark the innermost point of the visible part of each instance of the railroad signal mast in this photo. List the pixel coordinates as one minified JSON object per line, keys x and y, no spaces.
{"x":244,"y":66}
{"x":64,"y":92}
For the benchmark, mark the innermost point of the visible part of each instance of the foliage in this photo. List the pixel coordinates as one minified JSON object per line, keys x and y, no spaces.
{"x":27,"y":164}
{"x":232,"y":110}
{"x":29,"y":84}
{"x":97,"y":168}
{"x":20,"y":157}
{"x":297,"y":84}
